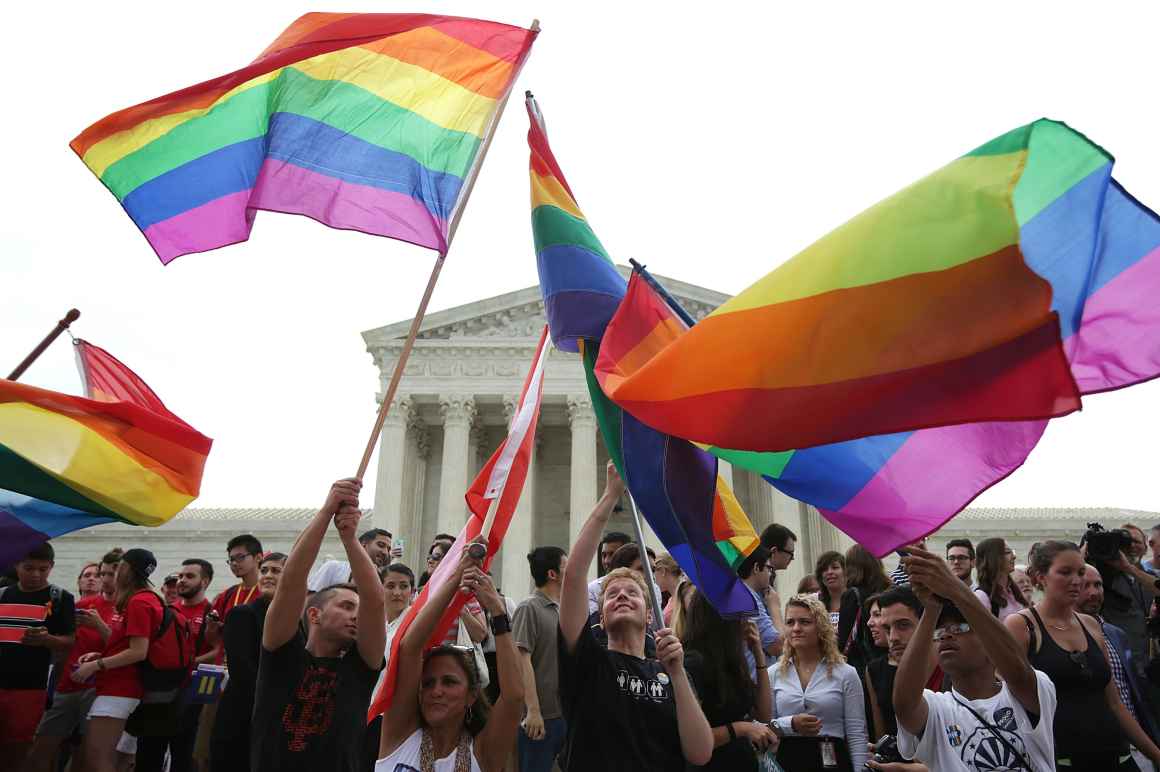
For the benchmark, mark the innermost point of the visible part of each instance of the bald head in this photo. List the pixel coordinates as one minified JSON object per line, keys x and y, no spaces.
{"x":1091,"y":593}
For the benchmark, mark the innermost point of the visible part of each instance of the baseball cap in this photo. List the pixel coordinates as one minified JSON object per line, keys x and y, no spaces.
{"x":141,"y":561}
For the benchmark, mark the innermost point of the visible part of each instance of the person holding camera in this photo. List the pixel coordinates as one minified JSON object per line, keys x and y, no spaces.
{"x":1129,"y":590}
{"x":1092,"y":726}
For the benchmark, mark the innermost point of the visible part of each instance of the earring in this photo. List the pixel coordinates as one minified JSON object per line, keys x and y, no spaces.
{"x":468,"y":715}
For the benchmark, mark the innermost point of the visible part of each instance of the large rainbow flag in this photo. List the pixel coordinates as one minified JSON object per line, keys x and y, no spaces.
{"x":68,"y":462}
{"x":1094,"y":247}
{"x":368,"y":122}
{"x":675,"y":485}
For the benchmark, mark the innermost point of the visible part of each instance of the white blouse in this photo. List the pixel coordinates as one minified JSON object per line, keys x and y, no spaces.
{"x":833,"y":694}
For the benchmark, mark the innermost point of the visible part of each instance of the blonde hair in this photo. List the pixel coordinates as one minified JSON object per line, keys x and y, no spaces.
{"x":668,"y":563}
{"x":827,"y":635}
{"x":677,"y":622}
{"x":621,"y":573}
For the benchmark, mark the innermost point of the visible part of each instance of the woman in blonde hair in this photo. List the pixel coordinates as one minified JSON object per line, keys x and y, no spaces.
{"x":817,"y":697}
{"x":668,"y":576}
{"x":682,"y":596}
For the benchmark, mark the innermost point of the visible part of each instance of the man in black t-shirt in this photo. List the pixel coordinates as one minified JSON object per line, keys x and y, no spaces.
{"x":37,"y":623}
{"x":624,"y":711}
{"x":312,"y":696}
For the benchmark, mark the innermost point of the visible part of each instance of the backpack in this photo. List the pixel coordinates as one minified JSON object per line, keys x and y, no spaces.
{"x":170,"y":659}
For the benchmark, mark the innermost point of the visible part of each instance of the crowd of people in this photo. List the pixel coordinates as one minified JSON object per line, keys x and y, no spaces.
{"x":966,"y":660}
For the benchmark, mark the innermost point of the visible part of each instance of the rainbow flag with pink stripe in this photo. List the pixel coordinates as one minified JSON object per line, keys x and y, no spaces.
{"x":367,"y":122}
{"x":1034,"y":258}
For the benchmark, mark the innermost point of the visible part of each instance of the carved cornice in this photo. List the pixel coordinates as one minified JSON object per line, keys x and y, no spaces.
{"x":419,"y":431}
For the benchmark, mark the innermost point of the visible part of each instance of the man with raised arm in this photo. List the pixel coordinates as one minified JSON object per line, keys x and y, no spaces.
{"x":312,"y":695}
{"x":983,"y":723}
{"x":623,"y":711}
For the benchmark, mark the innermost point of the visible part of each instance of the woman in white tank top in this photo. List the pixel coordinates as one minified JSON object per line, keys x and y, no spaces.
{"x":439,"y":719}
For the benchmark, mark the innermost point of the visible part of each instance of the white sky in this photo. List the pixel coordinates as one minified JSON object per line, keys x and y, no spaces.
{"x":711,"y":144}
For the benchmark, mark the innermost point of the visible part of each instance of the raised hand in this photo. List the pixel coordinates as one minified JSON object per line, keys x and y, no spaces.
{"x":614,"y":485}
{"x":670,"y":652}
{"x":343,"y":492}
{"x":476,"y":581}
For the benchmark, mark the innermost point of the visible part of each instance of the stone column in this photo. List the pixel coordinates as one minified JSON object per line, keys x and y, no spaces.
{"x":584,"y":474}
{"x":515,"y":576}
{"x":392,"y":458}
{"x":414,"y":480}
{"x":458,"y":411}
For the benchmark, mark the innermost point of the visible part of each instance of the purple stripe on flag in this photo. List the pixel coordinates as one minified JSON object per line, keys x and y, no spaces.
{"x":16,"y":539}
{"x":940,"y":471}
{"x":1116,"y":343}
{"x":285,"y":187}
{"x":219,"y":223}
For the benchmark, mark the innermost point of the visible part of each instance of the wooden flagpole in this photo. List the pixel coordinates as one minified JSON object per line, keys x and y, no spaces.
{"x":61,"y":326}
{"x":460,"y":205}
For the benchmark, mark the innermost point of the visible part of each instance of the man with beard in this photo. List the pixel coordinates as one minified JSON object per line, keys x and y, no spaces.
{"x":377,"y":544}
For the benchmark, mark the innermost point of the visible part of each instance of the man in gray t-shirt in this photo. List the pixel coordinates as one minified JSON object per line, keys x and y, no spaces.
{"x":534,"y":626}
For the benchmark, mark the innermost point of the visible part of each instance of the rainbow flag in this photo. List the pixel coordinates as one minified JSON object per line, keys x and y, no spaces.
{"x":68,"y":462}
{"x":1097,"y":248}
{"x":676,"y":486}
{"x":937,"y":306}
{"x":367,"y":122}
{"x":580,"y":285}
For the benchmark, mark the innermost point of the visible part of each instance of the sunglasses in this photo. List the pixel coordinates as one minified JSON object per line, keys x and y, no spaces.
{"x":953,"y":629}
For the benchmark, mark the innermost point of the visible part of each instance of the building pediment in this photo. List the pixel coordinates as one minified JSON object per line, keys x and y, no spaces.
{"x":516,"y":315}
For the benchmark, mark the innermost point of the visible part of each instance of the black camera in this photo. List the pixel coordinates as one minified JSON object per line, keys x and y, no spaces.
{"x":886,"y":750}
{"x":1105,"y":546}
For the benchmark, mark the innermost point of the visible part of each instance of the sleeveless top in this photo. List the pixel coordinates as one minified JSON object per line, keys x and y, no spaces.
{"x":1083,"y":723}
{"x":406,"y":757}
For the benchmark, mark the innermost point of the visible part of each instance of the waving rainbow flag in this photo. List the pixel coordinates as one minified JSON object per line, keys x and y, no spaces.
{"x":1096,"y":248}
{"x":368,"y":122}
{"x":68,"y":462}
{"x":675,"y":485}
{"x":580,"y":285}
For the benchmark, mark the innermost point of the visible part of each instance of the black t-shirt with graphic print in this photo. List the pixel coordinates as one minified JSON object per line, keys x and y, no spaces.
{"x":310,"y":712}
{"x":619,"y":710}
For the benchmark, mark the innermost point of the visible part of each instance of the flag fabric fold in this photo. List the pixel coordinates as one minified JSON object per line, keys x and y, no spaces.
{"x":69,"y":462}
{"x":367,"y":122}
{"x":945,"y":304}
{"x":496,"y":488}
{"x":1097,"y":247}
{"x":580,"y":285}
{"x":675,"y":485}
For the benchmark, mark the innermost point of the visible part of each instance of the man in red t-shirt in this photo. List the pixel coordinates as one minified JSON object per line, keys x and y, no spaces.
{"x":192,"y":581}
{"x":71,"y":701}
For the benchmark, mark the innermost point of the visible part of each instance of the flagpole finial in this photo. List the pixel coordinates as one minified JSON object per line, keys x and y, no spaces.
{"x":529,"y":95}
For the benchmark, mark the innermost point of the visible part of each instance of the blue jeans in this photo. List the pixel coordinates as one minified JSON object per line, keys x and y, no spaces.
{"x":538,"y":755}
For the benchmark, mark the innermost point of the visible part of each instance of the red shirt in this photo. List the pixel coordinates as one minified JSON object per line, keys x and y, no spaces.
{"x":196,"y":616}
{"x":87,"y":640}
{"x":141,"y":619}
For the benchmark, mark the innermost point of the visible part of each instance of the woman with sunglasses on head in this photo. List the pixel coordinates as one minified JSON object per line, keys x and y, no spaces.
{"x":440,"y":720}
{"x":995,"y":562}
{"x":1092,"y":726}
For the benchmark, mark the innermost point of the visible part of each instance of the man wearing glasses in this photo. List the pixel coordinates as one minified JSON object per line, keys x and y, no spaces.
{"x":781,"y":543}
{"x":983,"y":722}
{"x":961,"y":557}
{"x":756,"y":572}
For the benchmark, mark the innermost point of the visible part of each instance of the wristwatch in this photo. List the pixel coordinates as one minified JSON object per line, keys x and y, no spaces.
{"x":501,"y":624}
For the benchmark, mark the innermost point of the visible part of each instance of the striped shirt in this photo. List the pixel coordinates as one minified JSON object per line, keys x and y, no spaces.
{"x":1118,"y":672}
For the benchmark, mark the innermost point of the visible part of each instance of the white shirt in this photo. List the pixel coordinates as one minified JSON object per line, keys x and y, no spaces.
{"x":406,"y":757}
{"x":834,"y":697}
{"x":953,"y":738}
{"x":330,"y":572}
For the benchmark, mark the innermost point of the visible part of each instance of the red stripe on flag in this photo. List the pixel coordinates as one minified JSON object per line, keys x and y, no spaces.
{"x":509,"y":496}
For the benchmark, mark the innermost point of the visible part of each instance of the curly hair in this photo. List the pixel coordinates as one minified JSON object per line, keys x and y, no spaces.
{"x":477,"y":714}
{"x":827,"y":635}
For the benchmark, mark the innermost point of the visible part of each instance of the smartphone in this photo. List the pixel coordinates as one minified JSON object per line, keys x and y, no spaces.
{"x":902,"y":553}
